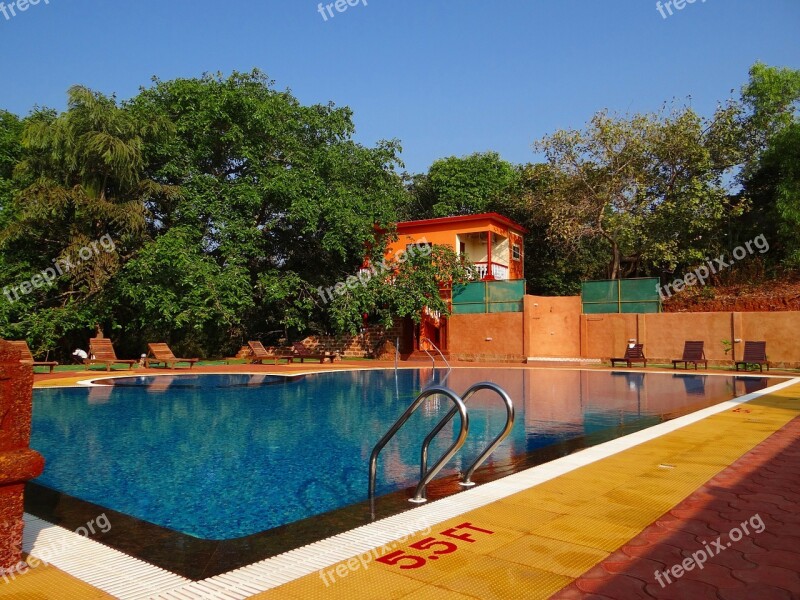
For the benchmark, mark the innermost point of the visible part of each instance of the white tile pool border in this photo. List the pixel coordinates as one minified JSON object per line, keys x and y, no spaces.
{"x":129,"y":578}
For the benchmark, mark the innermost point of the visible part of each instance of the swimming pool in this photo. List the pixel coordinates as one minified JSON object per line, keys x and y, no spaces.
{"x":220,"y":457}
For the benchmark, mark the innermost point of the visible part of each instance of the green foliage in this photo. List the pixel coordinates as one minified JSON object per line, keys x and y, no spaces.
{"x":229,"y":204}
{"x":462,"y":186}
{"x":409,"y":285}
{"x":771,"y":175}
{"x":651,"y":187}
{"x":11,"y":128}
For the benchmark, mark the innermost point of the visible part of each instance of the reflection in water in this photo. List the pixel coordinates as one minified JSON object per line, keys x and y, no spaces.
{"x":221,"y":457}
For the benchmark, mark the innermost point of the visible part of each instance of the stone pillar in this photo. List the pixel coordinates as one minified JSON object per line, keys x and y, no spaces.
{"x":18,"y":463}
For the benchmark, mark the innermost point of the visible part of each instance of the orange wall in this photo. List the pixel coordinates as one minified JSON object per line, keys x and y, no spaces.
{"x":552,"y":326}
{"x":555,"y":327}
{"x":781,"y":330}
{"x":468,"y":336}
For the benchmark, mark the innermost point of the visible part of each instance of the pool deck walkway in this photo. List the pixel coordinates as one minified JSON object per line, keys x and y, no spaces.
{"x":706,"y":510}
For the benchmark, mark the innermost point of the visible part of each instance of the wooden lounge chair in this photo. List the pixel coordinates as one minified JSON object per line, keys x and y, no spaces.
{"x":258,"y":354}
{"x":103,"y":353}
{"x":693,"y":352}
{"x":27,"y":357}
{"x":755,"y":353}
{"x":302,"y":353}
{"x":160,"y":353}
{"x":633,"y":354}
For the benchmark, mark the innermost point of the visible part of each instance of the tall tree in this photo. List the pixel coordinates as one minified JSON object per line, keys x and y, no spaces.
{"x":83,"y":182}
{"x":771,"y":175}
{"x":649,"y":186}
{"x":272,"y":189}
{"x":462,"y":185}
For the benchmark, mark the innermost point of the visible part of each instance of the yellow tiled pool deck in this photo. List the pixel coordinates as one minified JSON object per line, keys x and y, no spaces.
{"x":531,"y":544}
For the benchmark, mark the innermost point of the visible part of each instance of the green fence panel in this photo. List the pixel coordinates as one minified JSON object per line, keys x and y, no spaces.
{"x":642,"y":290}
{"x":640,"y":307}
{"x":469,"y":309}
{"x":504,"y":307}
{"x":600,"y":308}
{"x":470,"y":292}
{"x":600,"y":291}
{"x":488,"y":297}
{"x":505,"y":291}
{"x":621,"y":296}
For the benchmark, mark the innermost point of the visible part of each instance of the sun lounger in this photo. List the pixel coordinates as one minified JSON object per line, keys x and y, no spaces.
{"x":27,"y":357}
{"x":258,"y":354}
{"x":160,"y":353}
{"x":693,"y":352}
{"x":302,"y":353}
{"x":633,"y":354}
{"x":102,"y":352}
{"x":755,"y":353}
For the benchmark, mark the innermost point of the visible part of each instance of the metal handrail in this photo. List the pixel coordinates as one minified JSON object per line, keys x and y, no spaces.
{"x":466,"y":479}
{"x":437,"y":349}
{"x":425,"y":475}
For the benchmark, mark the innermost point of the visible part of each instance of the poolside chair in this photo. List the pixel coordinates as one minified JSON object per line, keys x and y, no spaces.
{"x":755,"y":353}
{"x":633,"y":354}
{"x":693,"y":352}
{"x":259,"y":354}
{"x":27,"y":357}
{"x":160,"y":353}
{"x":102,"y":352}
{"x":301,"y":353}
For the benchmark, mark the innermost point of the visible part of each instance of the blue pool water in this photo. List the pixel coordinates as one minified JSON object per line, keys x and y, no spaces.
{"x":224,"y":456}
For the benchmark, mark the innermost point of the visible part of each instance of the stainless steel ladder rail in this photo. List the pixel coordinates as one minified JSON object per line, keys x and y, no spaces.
{"x":433,"y":361}
{"x":466,"y":479}
{"x":426,"y":475}
{"x":437,"y":349}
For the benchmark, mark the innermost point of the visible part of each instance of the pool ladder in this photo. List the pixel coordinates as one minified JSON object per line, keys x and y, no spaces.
{"x":459,"y":408}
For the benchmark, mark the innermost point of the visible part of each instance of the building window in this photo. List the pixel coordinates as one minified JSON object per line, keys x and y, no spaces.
{"x":516,"y":253}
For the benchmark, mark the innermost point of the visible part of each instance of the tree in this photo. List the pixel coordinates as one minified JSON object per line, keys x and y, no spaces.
{"x":404,"y":287}
{"x":461,"y":186}
{"x":277,"y":190}
{"x":649,"y":186}
{"x":771,"y":175}
{"x":11,"y":128}
{"x":80,"y":212}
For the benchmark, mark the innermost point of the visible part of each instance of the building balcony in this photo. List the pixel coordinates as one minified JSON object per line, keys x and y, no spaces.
{"x":491,"y":271}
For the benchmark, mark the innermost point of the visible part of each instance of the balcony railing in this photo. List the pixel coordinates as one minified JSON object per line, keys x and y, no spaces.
{"x":498,"y":271}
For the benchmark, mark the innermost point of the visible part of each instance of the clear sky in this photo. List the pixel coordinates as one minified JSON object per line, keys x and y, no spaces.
{"x":446,"y":77}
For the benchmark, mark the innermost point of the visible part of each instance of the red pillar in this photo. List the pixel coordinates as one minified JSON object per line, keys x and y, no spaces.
{"x":489,"y":275}
{"x":18,"y":463}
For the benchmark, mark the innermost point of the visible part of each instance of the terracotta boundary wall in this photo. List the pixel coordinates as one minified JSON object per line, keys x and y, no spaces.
{"x":374,"y":341}
{"x":553,"y":327}
{"x":495,"y":337}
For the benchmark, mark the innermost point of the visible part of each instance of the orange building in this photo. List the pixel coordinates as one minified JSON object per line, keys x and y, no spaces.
{"x":492,"y":242}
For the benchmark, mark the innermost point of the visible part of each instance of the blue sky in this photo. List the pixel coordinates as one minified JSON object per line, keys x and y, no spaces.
{"x":446,"y":77}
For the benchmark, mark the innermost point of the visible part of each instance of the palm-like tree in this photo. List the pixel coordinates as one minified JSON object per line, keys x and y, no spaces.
{"x":85,"y":176}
